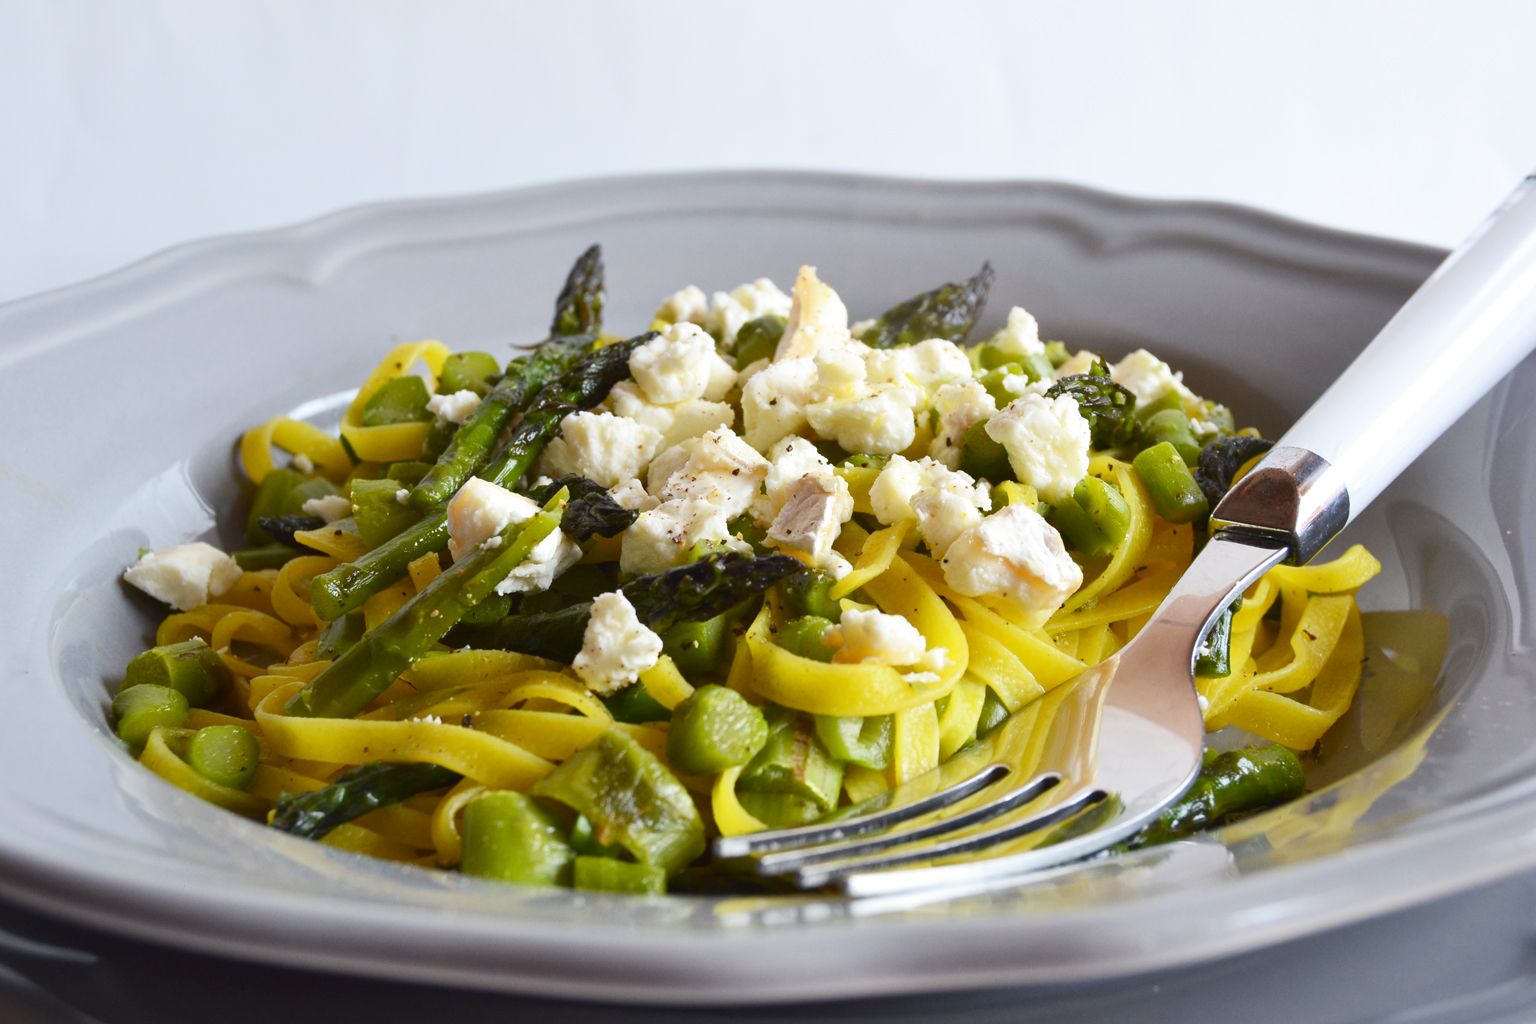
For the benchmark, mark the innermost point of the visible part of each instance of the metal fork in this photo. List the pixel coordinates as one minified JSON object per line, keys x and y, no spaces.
{"x":1131,"y":727}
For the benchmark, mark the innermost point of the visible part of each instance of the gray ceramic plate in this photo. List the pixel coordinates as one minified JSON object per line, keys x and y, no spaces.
{"x":125,"y":395}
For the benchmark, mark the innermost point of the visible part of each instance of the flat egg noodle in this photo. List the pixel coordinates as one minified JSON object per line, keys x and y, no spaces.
{"x":1129,"y":555}
{"x":731,"y":818}
{"x":447,"y":839}
{"x":962,"y":712}
{"x":394,"y":442}
{"x":297,"y":438}
{"x":486,"y":758}
{"x":340,"y":540}
{"x":914,"y":742}
{"x":875,"y":553}
{"x":665,"y":683}
{"x":290,"y":591}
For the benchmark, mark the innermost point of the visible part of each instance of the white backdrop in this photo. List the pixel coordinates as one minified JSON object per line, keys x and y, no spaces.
{"x":129,"y":126}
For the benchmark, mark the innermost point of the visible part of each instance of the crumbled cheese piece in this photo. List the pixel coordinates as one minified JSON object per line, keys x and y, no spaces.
{"x":1081,"y":362}
{"x":303,"y":463}
{"x":675,"y":422}
{"x":662,"y":536}
{"x":616,"y":646}
{"x":631,"y":495}
{"x":481,"y":510}
{"x":1021,"y":336}
{"x":945,"y":502}
{"x":1016,"y":555}
{"x":676,"y":365}
{"x":1047,"y":440}
{"x":812,"y":515}
{"x":790,"y":461}
{"x":403,"y":496}
{"x":722,"y":378}
{"x":817,"y":319}
{"x":882,"y":421}
{"x":875,"y":637}
{"x":926,"y":366}
{"x":841,"y":374}
{"x":600,"y":446}
{"x":185,"y":576}
{"x":958,"y":407}
{"x":729,"y":311}
{"x":454,"y":408}
{"x":1148,"y":378}
{"x":773,"y":401}
{"x":719,"y":467}
{"x":689,"y":305}
{"x":330,"y":508}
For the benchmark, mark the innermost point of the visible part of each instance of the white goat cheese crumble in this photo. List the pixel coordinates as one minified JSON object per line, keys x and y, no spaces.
{"x":1021,"y":335}
{"x":678,"y":365}
{"x":686,"y":305}
{"x":773,"y":401}
{"x":817,"y":319}
{"x":330,"y":507}
{"x":945,"y":502}
{"x":600,"y":446}
{"x":481,"y":510}
{"x":616,"y":646}
{"x":184,"y":576}
{"x":877,"y":638}
{"x":810,"y":519}
{"x":453,"y":408}
{"x":1047,"y":441}
{"x":676,"y":422}
{"x":719,"y":468}
{"x":1016,"y":555}
{"x":1149,"y":378}
{"x":958,"y":407}
{"x":730,"y":311}
{"x":662,"y":536}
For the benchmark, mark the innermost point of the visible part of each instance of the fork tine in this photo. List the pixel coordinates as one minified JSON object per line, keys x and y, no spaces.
{"x":733,"y":847}
{"x":817,"y":876}
{"x":788,"y":861}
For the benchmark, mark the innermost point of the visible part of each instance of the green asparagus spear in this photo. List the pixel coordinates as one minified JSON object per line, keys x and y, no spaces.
{"x":1222,"y":458}
{"x":591,"y":510}
{"x":365,"y":669}
{"x":579,"y":308}
{"x":949,"y":312}
{"x":714,"y":729}
{"x":1230,"y":784}
{"x":511,"y":838}
{"x":689,"y":593}
{"x":190,"y":667}
{"x":354,"y":793}
{"x":631,"y":799}
{"x":586,"y":383}
{"x":472,"y":443}
{"x":1108,"y":407}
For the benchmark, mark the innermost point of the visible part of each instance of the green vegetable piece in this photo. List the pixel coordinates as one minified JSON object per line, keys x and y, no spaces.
{"x":809,"y":593}
{"x":634,"y":705}
{"x":1172,"y":426}
{"x":377,"y":510}
{"x":139,"y":710}
{"x":1221,"y":459}
{"x":714,"y":729}
{"x":282,"y":528}
{"x":604,"y":874}
{"x":982,"y":457}
{"x":355,"y":793}
{"x":364,"y":670}
{"x":780,"y":810}
{"x":271,"y":499}
{"x":864,"y":460}
{"x":468,"y":371}
{"x":473,"y":442}
{"x":806,"y":636}
{"x":743,"y":526}
{"x":1213,"y":658}
{"x":346,"y":587}
{"x":1096,"y":518}
{"x":190,"y":667}
{"x":1170,"y":484}
{"x":584,"y":841}
{"x":794,"y":762}
{"x":509,"y":837}
{"x":311,"y":487}
{"x":688,"y":593}
{"x":268,"y":556}
{"x":1169,"y":400}
{"x":1229,"y":785}
{"x":696,"y":647}
{"x":340,"y":634}
{"x":631,"y":799}
{"x":1108,"y":407}
{"x":758,"y":339}
{"x":407,"y":474}
{"x":579,"y":306}
{"x":400,"y":400}
{"x":224,"y":754}
{"x":948,"y":312}
{"x":861,"y":741}
{"x":995,"y":380}
{"x":993,"y":713}
{"x":1057,"y":353}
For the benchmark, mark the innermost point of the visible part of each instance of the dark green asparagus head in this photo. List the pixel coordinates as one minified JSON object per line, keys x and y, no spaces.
{"x":579,"y":309}
{"x":948,"y":312}
{"x":591,"y":510}
{"x":354,"y":793}
{"x":1107,"y":406}
{"x":1222,"y":458}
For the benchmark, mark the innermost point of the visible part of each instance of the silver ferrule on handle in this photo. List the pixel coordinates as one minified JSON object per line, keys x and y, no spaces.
{"x":1293,"y":498}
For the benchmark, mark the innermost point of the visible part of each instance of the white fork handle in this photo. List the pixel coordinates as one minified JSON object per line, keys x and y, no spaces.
{"x":1460,"y":333}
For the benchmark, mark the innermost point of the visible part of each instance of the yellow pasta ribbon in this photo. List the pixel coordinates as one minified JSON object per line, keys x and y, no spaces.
{"x":447,"y":840}
{"x":731,"y":819}
{"x":159,"y":758}
{"x":876,"y":551}
{"x":914,"y":742}
{"x":1298,"y":724}
{"x":394,"y":442}
{"x":1130,"y":555}
{"x":957,"y":722}
{"x":665,"y":683}
{"x":340,"y":540}
{"x":297,"y":438}
{"x":290,"y":591}
{"x":555,"y":735}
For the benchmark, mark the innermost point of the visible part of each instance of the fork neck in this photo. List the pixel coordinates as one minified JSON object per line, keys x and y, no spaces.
{"x":1228,"y":564}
